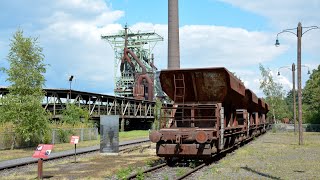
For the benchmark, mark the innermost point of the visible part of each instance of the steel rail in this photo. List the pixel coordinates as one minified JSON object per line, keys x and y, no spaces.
{"x":15,"y":165}
{"x":191,"y":171}
{"x":217,"y":156}
{"x":148,"y":170}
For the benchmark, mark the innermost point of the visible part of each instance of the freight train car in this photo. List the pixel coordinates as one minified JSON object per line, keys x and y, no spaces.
{"x":212,"y":112}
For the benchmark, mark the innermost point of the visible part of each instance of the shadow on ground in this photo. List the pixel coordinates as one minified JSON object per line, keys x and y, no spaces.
{"x":260,"y":173}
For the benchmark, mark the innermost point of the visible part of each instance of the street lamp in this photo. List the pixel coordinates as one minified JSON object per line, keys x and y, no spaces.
{"x":299,"y":34}
{"x":293,"y":69}
{"x":70,"y":81}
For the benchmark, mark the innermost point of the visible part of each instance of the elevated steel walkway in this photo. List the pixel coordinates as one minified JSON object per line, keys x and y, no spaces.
{"x":97,"y":104}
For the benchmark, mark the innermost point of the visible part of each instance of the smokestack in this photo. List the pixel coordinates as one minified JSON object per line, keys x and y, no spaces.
{"x":173,"y":35}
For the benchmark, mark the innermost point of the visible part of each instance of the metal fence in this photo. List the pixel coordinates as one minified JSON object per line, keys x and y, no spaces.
{"x":56,"y":136}
{"x":280,"y":127}
{"x":63,"y":135}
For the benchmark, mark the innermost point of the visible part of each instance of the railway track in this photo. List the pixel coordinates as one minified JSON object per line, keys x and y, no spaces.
{"x":59,"y":155}
{"x":164,"y":168}
{"x":158,"y":171}
{"x":147,"y":170}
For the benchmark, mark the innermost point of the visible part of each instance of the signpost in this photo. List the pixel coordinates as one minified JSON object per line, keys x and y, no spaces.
{"x":74,"y":140}
{"x":42,"y":152}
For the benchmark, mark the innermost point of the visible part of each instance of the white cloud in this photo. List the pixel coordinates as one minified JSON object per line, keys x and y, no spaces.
{"x":216,"y":46}
{"x":70,"y":34}
{"x":225,"y":46}
{"x":284,"y":13}
{"x":237,"y":49}
{"x":234,"y":48}
{"x":73,"y":44}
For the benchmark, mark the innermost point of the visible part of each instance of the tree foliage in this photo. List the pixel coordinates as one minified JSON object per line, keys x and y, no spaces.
{"x":157,"y":114}
{"x":274,"y":95}
{"x":23,"y":105}
{"x":311,"y":98}
{"x":74,"y":114}
{"x":289,"y":102}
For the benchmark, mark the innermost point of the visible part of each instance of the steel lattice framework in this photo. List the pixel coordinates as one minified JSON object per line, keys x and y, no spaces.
{"x":133,"y":54}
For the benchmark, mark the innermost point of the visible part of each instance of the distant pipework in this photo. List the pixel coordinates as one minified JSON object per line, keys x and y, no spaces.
{"x":173,"y":35}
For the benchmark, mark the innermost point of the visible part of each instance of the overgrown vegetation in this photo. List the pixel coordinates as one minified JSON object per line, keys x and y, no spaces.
{"x":140,"y":174}
{"x":74,"y":114}
{"x":124,"y":172}
{"x":21,"y":111}
{"x":22,"y":107}
{"x":282,"y":106}
{"x":157,"y":115}
{"x":311,"y":98}
{"x":180,"y":172}
{"x":275,"y":95}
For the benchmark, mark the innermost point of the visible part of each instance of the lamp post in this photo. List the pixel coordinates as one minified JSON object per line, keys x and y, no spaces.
{"x":293,"y":69}
{"x":299,"y":34}
{"x":70,"y":81}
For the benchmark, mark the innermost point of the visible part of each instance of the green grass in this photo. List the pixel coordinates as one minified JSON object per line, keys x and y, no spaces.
{"x":274,"y":155}
{"x":140,"y":174}
{"x":124,"y":172}
{"x":129,"y":135}
{"x":27,"y":152}
{"x":180,"y":172}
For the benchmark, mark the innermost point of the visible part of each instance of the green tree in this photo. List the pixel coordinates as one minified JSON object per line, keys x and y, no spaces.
{"x":157,"y":114}
{"x":274,"y":93}
{"x":289,"y":102}
{"x":74,"y":114}
{"x":23,"y":105}
{"x":311,"y":98}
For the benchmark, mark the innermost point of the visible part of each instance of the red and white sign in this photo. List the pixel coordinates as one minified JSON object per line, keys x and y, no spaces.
{"x":43,"y":151}
{"x":74,"y":140}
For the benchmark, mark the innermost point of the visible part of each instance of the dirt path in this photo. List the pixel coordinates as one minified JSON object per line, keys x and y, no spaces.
{"x":91,"y":166}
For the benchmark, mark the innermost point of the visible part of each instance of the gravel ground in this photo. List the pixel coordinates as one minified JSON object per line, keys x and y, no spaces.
{"x":271,"y":156}
{"x":88,"y":166}
{"x":168,"y":173}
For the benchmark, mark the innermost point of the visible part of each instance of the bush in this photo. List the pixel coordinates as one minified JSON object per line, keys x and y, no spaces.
{"x":64,"y":135}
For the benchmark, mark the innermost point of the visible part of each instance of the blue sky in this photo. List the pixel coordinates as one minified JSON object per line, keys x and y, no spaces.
{"x":236,"y":34}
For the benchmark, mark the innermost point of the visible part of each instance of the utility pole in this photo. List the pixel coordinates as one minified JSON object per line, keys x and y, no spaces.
{"x":294,"y":95}
{"x":299,"y":35}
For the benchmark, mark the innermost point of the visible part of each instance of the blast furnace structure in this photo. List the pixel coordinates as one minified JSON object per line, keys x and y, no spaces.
{"x":134,"y":65}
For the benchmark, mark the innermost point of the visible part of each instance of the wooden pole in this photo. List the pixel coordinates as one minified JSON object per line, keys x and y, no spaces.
{"x":299,"y":34}
{"x":40,"y":168}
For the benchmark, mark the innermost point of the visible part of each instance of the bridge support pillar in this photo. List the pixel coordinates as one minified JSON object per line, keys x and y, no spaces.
{"x":122,"y":124}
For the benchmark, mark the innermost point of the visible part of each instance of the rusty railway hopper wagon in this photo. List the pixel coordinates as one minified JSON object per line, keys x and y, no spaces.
{"x":211,"y":112}
{"x":256,"y":112}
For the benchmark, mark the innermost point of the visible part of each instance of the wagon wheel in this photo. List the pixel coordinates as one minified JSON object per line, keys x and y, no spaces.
{"x":170,"y":161}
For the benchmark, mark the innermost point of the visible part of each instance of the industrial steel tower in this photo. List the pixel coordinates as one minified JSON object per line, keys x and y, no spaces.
{"x":173,"y":35}
{"x":134,"y":63}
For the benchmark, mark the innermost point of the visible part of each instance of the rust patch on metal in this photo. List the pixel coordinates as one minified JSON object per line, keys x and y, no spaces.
{"x":183,"y":150}
{"x":204,"y":85}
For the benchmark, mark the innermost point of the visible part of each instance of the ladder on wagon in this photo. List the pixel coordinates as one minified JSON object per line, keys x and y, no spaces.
{"x":179,"y":92}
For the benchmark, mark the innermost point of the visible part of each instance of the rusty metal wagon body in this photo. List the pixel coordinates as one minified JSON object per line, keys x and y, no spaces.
{"x":212,"y":112}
